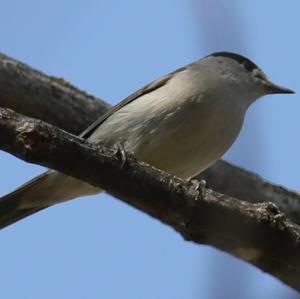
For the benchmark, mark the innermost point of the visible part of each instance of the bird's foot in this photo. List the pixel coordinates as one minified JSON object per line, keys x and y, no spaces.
{"x":197,"y":185}
{"x":120,"y":150}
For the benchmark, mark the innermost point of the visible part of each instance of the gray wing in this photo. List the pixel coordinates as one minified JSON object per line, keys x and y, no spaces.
{"x":144,"y":90}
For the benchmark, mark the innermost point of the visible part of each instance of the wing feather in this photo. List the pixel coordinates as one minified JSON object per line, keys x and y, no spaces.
{"x":144,"y":90}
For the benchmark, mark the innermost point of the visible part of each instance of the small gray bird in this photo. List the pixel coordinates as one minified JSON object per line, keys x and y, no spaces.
{"x":181,"y":123}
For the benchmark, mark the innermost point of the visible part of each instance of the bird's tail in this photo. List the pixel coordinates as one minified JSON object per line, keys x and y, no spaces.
{"x":41,"y":192}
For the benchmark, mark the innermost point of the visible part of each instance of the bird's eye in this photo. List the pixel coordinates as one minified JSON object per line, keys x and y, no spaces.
{"x":259,"y":75}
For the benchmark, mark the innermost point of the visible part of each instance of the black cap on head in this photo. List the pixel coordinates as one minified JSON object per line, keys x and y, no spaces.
{"x":250,"y":67}
{"x":247,"y":63}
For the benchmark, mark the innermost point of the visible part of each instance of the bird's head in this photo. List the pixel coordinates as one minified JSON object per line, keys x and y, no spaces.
{"x":237,"y":75}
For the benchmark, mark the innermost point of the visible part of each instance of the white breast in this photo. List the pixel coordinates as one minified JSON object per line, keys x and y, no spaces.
{"x":176,"y":128}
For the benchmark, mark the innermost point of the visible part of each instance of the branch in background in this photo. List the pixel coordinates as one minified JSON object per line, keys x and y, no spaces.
{"x":55,"y":101}
{"x":51,"y":99}
{"x":257,"y":233}
{"x":237,"y":182}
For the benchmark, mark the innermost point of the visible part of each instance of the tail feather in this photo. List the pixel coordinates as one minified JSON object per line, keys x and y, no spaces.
{"x":41,"y":192}
{"x":10,"y":213}
{"x":12,"y":208}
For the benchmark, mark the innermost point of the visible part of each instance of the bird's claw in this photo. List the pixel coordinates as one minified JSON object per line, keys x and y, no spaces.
{"x":197,"y":185}
{"x":121,"y":151}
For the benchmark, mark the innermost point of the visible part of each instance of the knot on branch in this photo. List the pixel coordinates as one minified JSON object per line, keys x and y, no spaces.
{"x":26,"y":136}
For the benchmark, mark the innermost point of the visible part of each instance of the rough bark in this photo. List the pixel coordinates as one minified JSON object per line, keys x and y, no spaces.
{"x":234,"y":181}
{"x":55,"y":101}
{"x":256,"y":232}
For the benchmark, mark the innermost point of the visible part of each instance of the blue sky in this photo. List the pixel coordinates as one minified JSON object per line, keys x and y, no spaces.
{"x":97,"y":246}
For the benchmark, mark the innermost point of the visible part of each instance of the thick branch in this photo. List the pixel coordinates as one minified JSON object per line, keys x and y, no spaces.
{"x":51,"y":99}
{"x":234,"y":181}
{"x":258,"y":233}
{"x":55,"y":101}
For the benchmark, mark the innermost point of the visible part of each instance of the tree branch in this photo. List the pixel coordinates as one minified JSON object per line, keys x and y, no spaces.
{"x":257,"y":233}
{"x":51,"y":99}
{"x":55,"y":101}
{"x":237,"y":182}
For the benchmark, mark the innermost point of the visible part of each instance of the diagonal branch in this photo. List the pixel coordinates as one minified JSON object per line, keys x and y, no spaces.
{"x":55,"y":101}
{"x":257,"y":233}
{"x":234,"y":181}
{"x":51,"y":99}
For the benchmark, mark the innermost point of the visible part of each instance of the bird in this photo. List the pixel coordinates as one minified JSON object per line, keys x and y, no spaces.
{"x":181,"y":123}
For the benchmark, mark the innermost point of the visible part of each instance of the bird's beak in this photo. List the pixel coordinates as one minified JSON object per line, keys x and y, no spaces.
{"x":274,"y":88}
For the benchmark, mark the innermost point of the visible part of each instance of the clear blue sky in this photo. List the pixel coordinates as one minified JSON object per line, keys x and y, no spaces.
{"x":98,"y":247}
